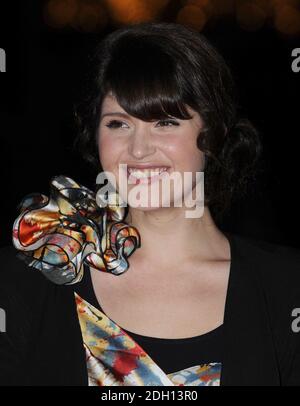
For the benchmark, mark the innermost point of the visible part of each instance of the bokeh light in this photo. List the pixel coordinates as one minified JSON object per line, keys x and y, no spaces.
{"x":205,"y":5}
{"x":91,"y":16}
{"x":287,"y":20}
{"x":129,"y":11}
{"x":85,"y":15}
{"x":223,"y":7}
{"x":59,"y":13}
{"x":192,"y":16}
{"x":251,"y":15}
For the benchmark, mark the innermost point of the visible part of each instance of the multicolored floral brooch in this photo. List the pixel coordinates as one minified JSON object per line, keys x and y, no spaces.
{"x":59,"y":234}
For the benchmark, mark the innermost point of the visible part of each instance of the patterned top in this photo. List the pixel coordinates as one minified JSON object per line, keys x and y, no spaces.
{"x":60,"y":234}
{"x":115,"y":359}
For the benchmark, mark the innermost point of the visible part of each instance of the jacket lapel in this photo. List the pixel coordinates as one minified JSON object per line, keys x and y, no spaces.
{"x":249,"y":354}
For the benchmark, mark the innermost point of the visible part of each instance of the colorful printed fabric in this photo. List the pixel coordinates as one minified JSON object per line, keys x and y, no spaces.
{"x":57,"y":235}
{"x":115,"y":359}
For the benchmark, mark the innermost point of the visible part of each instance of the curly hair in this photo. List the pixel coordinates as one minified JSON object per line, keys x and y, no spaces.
{"x":154,"y":70}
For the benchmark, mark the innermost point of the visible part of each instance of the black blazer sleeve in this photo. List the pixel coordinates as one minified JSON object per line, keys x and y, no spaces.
{"x":21,"y":291}
{"x":42,"y":344}
{"x":277,"y":271}
{"x":281,"y":284}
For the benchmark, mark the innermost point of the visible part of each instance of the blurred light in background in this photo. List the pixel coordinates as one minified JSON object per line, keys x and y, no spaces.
{"x":223,"y":7}
{"x":250,"y":16}
{"x":207,"y":6}
{"x":88,"y":15}
{"x":287,"y":20}
{"x":59,"y":13}
{"x":91,"y":16}
{"x":134,"y":11}
{"x":95,"y":15}
{"x":192,"y":16}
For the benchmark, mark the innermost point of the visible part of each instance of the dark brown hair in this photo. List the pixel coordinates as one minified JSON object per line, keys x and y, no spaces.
{"x":155,"y":69}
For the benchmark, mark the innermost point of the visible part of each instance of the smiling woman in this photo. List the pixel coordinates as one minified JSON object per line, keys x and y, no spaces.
{"x":160,"y":72}
{"x":151,"y":150}
{"x":194,"y":306}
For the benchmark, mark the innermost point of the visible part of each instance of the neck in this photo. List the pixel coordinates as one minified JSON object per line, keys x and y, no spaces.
{"x":167,"y":236}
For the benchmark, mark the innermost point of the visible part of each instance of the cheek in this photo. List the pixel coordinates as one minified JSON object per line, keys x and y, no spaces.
{"x":186,"y":155}
{"x":197,"y":160}
{"x":108,"y":150}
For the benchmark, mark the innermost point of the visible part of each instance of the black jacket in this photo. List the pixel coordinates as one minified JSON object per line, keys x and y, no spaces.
{"x":43,"y":345}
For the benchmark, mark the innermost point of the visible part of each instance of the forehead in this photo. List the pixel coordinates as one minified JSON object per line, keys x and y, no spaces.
{"x":109,"y":102}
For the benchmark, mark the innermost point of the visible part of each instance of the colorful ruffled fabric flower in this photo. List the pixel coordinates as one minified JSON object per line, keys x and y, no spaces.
{"x":61,"y":233}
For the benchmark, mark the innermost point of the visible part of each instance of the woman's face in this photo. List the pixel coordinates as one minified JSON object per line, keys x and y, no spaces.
{"x":168,"y":143}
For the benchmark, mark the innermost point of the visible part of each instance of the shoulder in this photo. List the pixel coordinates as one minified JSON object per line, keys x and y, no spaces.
{"x":38,"y":314}
{"x":16,"y":274}
{"x":26,"y":294}
{"x":272,"y":262}
{"x":23,"y":293}
{"x":23,"y":285}
{"x":274,"y":270}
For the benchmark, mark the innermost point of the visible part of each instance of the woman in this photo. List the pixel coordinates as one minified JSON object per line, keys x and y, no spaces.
{"x":191,"y":305}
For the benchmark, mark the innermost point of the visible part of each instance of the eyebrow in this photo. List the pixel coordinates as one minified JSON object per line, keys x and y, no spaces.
{"x":120,"y":114}
{"x":115,"y":113}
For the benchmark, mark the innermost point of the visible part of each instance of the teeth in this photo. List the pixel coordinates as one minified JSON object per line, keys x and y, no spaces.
{"x":145,"y":173}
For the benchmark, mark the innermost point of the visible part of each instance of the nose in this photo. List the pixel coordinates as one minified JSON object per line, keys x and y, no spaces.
{"x":141,"y":143}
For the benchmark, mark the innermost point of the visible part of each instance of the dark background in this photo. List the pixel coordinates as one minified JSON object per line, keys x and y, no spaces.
{"x":46,"y":64}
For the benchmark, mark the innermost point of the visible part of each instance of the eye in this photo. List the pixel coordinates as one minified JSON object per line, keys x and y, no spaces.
{"x":168,"y":123}
{"x":115,"y":124}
